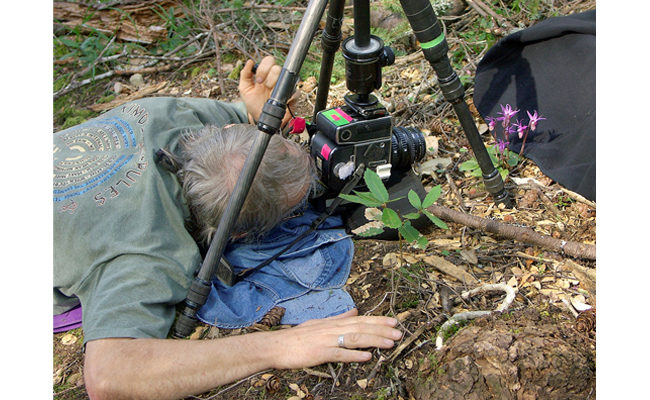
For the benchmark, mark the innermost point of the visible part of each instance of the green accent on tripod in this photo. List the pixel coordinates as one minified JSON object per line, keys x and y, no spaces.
{"x":433,"y":42}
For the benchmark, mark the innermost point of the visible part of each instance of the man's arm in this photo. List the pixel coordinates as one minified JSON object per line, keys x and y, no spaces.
{"x":169,"y":369}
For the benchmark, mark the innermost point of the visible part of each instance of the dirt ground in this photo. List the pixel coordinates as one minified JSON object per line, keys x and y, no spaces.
{"x":542,"y":347}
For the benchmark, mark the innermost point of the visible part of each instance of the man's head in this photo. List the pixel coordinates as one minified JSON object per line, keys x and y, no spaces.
{"x":212,"y":161}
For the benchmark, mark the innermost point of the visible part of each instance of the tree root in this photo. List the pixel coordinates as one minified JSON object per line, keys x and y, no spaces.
{"x":468,"y":315}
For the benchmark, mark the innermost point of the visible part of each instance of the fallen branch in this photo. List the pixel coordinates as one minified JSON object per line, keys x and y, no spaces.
{"x":519,"y":233}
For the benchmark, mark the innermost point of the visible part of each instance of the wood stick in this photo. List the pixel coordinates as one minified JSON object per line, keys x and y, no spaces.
{"x":522,"y":234}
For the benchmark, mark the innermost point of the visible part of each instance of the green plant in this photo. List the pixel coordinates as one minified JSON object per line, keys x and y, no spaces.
{"x":562,"y":201}
{"x":377,"y":199}
{"x":503,"y":162}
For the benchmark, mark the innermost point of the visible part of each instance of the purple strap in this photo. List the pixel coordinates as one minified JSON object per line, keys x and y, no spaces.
{"x":68,"y":320}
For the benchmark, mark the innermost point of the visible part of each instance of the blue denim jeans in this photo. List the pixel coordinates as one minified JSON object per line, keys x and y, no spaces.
{"x":307,"y":280}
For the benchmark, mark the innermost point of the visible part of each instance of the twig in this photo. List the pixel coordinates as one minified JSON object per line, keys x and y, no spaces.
{"x":547,"y":202}
{"x":378,"y":304}
{"x":335,"y":377}
{"x":534,"y":258}
{"x":101,"y":54}
{"x":522,"y":234}
{"x":455,"y":191}
{"x":407,"y":342}
{"x":374,"y":370}
{"x":317,"y":373}
{"x":207,"y":11}
{"x":239,"y":382}
{"x":69,"y":390}
{"x":578,"y":197}
{"x":143,"y":70}
{"x":477,"y":8}
{"x":476,"y":4}
{"x":73,"y":86}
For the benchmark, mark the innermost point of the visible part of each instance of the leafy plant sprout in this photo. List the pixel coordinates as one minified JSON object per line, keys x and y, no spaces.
{"x":381,"y":216}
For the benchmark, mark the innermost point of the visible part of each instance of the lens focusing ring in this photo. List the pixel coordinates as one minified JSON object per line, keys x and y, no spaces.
{"x":408,"y":146}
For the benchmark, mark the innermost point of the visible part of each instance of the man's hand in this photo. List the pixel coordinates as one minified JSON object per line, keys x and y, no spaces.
{"x":316,"y":342}
{"x":255,"y":88}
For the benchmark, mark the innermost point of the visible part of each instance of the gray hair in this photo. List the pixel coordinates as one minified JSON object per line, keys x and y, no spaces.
{"x":212,"y":159}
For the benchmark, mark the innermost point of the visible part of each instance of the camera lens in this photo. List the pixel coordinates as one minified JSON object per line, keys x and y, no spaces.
{"x":408,"y":147}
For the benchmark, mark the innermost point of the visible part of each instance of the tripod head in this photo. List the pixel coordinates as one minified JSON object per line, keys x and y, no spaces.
{"x":364,"y":55}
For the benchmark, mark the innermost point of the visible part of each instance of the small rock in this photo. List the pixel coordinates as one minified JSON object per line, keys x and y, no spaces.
{"x":137,"y":80}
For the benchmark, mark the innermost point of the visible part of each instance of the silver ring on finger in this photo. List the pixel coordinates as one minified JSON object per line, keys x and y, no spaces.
{"x":341,"y":340}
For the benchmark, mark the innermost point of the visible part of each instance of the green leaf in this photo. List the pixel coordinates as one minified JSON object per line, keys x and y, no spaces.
{"x":432,"y":196}
{"x":414,"y":199}
{"x":468,"y":165}
{"x":422,"y":242}
{"x":369,"y":197}
{"x":513,"y":159}
{"x":375,"y":185}
{"x":504,"y":173}
{"x":69,"y":43}
{"x":412,"y":215}
{"x":371,"y":232}
{"x":360,"y":200}
{"x":437,"y":221}
{"x":390,"y":218}
{"x":408,"y":232}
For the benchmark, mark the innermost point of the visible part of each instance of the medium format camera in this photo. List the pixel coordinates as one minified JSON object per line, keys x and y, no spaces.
{"x":344,"y":137}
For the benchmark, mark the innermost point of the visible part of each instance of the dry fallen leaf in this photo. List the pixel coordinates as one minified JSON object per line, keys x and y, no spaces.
{"x":469,"y":255}
{"x":363,"y":383}
{"x":68,"y":339}
{"x":579,"y":303}
{"x":390,"y":260}
{"x":299,"y":392}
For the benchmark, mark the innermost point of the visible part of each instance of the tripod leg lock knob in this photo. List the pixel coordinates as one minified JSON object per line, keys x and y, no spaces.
{"x":452,"y":89}
{"x":494,"y":185}
{"x":271,"y":118}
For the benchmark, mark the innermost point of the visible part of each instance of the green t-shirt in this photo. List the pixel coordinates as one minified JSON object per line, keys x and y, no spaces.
{"x":120,"y":243}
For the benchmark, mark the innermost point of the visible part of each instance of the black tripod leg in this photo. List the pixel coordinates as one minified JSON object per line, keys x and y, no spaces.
{"x":330,"y":40}
{"x":429,"y":33}
{"x":269,"y":123}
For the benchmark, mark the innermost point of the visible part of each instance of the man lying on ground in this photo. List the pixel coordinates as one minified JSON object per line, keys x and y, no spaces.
{"x":125,"y":242}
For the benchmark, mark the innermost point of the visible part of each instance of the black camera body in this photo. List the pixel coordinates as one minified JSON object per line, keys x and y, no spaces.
{"x":347,"y":136}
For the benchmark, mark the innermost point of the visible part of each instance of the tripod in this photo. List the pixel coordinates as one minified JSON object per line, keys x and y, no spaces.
{"x":364,"y":54}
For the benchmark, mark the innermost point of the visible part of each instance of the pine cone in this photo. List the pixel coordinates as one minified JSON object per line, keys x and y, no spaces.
{"x":437,"y":126}
{"x":586,"y":321}
{"x":273,"y":384}
{"x":272,"y":318}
